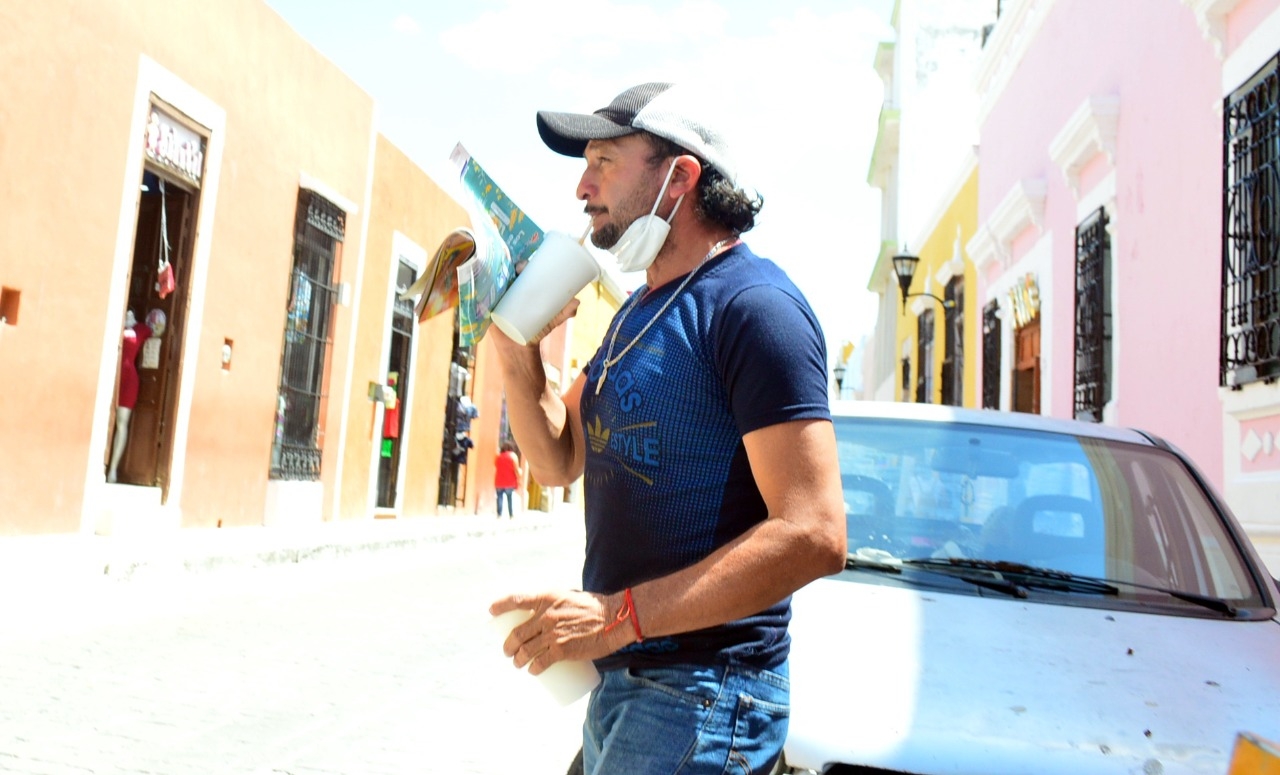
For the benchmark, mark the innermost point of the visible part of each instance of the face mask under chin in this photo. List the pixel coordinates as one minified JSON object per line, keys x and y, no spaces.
{"x":640,"y":244}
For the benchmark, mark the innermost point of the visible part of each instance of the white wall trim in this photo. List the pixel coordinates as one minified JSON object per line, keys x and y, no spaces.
{"x":1090,"y":131}
{"x":1021,"y":208}
{"x":1009,"y":42}
{"x":413,"y":254}
{"x":1037,"y":261}
{"x":1252,"y":495}
{"x":1211,"y":16}
{"x":155,"y":79}
{"x":919,"y":305}
{"x":311,"y":183}
{"x":983,"y":248}
{"x":1252,"y":53}
{"x":345,"y":414}
{"x":953,"y":267}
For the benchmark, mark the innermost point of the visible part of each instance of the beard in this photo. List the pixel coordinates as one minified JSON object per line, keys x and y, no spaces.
{"x":608,"y":235}
{"x":637,"y":205}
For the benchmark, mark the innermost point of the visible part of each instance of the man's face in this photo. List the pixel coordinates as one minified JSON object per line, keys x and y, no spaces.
{"x":619,"y":186}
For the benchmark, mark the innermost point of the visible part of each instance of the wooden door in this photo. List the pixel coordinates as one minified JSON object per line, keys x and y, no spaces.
{"x":1026,"y":374}
{"x":149,"y":453}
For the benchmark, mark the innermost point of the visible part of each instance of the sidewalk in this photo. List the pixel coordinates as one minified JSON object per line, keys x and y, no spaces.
{"x":38,"y":560}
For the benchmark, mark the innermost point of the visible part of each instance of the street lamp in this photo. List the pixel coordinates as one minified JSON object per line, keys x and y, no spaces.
{"x":838,"y":371}
{"x":904,"y":266}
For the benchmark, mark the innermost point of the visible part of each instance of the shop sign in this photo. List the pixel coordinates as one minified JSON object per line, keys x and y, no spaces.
{"x":174,"y":147}
{"x":1024,"y":300}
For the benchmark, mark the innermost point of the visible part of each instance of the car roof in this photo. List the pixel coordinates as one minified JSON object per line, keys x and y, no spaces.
{"x":935,"y":413}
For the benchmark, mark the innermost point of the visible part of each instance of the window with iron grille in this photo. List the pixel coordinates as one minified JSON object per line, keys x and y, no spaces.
{"x":991,"y":356}
{"x":1249,"y":350}
{"x":924,"y":357}
{"x":1093,"y":317}
{"x":299,"y":432}
{"x":953,"y":345}
{"x":906,"y":379}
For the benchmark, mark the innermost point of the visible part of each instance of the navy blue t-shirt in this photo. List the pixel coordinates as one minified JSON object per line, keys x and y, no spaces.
{"x":667,"y":479}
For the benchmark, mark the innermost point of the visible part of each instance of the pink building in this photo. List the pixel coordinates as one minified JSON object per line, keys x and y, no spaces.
{"x":1110,"y":289}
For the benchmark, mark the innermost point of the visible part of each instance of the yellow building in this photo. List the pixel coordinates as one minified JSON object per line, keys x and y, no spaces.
{"x":939,"y":325}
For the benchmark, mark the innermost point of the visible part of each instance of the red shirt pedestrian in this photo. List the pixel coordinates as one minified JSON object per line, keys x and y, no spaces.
{"x":506,"y":478}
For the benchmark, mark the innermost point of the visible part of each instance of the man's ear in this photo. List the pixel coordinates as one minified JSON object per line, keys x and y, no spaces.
{"x":684,"y":180}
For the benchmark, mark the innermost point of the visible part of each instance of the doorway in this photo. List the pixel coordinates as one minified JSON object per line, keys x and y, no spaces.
{"x":459,"y":411}
{"x":398,"y":370}
{"x":149,"y":362}
{"x":1026,"y":368}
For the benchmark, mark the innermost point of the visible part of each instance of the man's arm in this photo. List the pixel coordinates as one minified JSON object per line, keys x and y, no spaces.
{"x":547,"y":426}
{"x":796,"y":468}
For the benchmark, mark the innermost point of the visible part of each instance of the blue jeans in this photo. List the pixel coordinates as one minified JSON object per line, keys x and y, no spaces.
{"x":686,"y":720}
{"x":508,"y":493}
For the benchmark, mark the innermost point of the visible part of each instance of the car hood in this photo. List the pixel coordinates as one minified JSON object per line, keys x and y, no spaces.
{"x":930,"y":682}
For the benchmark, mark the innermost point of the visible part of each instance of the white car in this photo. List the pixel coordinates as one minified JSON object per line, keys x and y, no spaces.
{"x":1028,"y":595}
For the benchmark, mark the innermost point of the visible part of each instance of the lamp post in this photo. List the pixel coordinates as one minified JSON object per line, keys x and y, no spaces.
{"x":838,"y":372}
{"x":904,"y":266}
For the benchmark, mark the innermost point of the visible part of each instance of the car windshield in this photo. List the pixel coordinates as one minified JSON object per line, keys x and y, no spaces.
{"x":957,"y":492}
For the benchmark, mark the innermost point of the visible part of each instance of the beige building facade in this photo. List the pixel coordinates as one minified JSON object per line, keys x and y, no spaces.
{"x":205,"y":229}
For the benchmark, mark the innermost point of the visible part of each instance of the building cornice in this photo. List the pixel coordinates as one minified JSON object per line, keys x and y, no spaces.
{"x":884,"y":154}
{"x":1021,"y":208}
{"x":953,"y":266}
{"x":884,"y":60}
{"x":1010,"y":39}
{"x":1211,"y":16}
{"x":883,"y":267}
{"x":1090,"y":131}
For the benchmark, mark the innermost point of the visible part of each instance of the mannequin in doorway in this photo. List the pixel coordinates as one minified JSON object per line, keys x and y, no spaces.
{"x":134,"y":335}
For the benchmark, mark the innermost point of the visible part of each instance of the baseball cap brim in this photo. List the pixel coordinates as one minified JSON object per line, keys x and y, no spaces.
{"x":569,"y":133}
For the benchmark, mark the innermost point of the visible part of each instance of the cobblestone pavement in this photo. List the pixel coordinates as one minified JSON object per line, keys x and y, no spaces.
{"x":379,"y":663}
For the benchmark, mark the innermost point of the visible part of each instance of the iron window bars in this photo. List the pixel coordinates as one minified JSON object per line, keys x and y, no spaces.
{"x":319,"y":230}
{"x":953,"y":345}
{"x":1250,"y":338}
{"x":924,"y":357}
{"x":1093,"y":317}
{"x":991,"y":355}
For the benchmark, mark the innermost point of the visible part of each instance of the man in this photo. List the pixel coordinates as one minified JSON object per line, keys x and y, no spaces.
{"x":702,"y":426}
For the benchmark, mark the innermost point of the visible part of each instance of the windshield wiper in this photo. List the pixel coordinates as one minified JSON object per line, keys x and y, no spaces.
{"x":1204,"y":601}
{"x":1030,"y":575}
{"x":1047,"y":578}
{"x":890,"y":564}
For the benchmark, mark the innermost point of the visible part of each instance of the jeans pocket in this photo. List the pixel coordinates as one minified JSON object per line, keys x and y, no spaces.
{"x":760,"y":724}
{"x":696,"y":687}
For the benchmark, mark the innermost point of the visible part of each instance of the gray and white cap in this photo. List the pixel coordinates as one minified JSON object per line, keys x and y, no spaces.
{"x":673,"y":112}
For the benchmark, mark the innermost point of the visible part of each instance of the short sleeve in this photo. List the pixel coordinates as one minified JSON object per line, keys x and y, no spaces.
{"x":771,"y":355}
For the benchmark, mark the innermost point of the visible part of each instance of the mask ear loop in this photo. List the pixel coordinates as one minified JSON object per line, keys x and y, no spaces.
{"x":665,"y":183}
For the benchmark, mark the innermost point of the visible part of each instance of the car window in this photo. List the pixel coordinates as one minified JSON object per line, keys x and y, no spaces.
{"x":1086,"y":506}
{"x":1192,"y":549}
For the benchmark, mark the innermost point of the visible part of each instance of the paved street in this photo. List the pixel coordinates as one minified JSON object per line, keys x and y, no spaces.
{"x":371,"y":664}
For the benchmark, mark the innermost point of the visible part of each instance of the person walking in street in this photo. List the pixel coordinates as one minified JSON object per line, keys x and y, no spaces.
{"x":702,"y":431}
{"x":506,"y":478}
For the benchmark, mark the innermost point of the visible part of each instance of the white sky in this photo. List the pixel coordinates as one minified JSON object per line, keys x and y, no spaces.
{"x":799,"y":75}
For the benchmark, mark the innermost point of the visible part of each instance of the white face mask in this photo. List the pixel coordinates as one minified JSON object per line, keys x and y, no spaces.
{"x":639,"y":245}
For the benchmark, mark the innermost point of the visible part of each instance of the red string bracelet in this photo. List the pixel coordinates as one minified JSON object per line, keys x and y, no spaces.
{"x":627,"y":611}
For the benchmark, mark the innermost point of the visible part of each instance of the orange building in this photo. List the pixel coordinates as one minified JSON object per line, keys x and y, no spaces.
{"x":199,"y":322}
